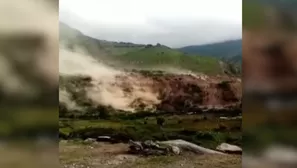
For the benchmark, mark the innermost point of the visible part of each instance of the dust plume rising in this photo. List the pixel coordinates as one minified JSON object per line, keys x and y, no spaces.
{"x":108,"y":86}
{"x":78,"y":63}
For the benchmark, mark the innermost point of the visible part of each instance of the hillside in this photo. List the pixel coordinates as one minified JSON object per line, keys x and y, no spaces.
{"x":73,"y":39}
{"x":228,"y":50}
{"x":129,"y":55}
{"x":165,"y":58}
{"x":144,"y":93}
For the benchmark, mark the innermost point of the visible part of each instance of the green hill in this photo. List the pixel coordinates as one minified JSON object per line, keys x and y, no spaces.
{"x":129,"y":55}
{"x":160,"y":56}
{"x":222,"y":50}
{"x":228,"y":51}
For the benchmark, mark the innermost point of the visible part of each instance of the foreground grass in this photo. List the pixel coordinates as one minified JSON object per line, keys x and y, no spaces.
{"x":193,"y":128}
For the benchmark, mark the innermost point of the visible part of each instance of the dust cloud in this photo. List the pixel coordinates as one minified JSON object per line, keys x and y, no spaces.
{"x":109,"y":86}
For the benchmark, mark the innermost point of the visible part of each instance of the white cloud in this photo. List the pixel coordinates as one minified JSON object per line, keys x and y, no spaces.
{"x":171,"y":22}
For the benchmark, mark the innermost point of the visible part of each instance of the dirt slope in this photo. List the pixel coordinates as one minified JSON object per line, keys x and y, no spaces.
{"x":156,"y":90}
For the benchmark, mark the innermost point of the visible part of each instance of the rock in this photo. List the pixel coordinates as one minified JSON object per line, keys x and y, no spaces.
{"x":187,"y":146}
{"x":150,"y":144}
{"x":175,"y":150}
{"x":224,"y":118}
{"x":167,"y":147}
{"x":135,"y":147}
{"x":103,"y":138}
{"x":90,"y":140}
{"x":227,"y":148}
{"x":152,"y":148}
{"x":231,"y":118}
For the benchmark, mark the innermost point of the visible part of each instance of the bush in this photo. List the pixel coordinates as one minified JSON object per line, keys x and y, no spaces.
{"x":104,"y":113}
{"x":160,"y":121}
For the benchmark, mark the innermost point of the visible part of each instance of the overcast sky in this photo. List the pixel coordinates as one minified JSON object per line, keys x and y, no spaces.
{"x":174,"y":23}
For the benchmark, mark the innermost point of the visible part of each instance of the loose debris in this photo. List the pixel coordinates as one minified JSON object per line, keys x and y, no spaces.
{"x":152,"y":148}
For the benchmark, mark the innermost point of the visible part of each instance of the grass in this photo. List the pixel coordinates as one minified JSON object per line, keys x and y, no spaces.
{"x":162,"y":57}
{"x":128,"y":55}
{"x":194,"y":128}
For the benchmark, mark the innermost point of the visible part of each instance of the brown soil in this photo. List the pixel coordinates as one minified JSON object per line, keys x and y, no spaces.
{"x":173,"y":93}
{"x":189,"y":93}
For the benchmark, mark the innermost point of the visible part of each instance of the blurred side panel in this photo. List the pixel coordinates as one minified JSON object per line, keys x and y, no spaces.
{"x":29,"y":83}
{"x":270,"y":83}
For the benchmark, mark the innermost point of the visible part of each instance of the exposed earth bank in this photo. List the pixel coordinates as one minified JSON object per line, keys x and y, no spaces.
{"x":153,"y":91}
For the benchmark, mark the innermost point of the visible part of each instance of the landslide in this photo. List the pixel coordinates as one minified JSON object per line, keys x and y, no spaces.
{"x":153,"y":91}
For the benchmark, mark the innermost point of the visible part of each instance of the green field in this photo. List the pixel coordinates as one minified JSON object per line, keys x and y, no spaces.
{"x":194,"y":128}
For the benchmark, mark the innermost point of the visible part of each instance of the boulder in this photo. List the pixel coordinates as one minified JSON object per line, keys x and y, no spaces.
{"x":90,"y":140}
{"x":104,"y":138}
{"x":227,"y":148}
{"x":150,"y":147}
{"x":187,"y":146}
{"x":175,"y":150}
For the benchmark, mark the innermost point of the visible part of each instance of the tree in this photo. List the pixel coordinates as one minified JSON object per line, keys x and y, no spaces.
{"x":103,"y":112}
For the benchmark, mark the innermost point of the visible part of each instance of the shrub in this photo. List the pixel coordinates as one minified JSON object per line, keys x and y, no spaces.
{"x":160,"y":121}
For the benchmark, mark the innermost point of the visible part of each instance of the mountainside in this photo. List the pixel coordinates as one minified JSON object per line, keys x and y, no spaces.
{"x":125,"y":91}
{"x":139,"y":56}
{"x":73,"y":39}
{"x":162,"y":57}
{"x":228,"y":50}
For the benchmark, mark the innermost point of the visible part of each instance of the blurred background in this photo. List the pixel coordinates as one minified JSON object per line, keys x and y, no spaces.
{"x":29,"y":83}
{"x":269,"y":83}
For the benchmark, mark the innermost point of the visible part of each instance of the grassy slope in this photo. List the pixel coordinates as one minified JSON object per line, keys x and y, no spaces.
{"x":221,"y":49}
{"x":228,"y":50}
{"x":136,"y":55}
{"x":162,"y":56}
